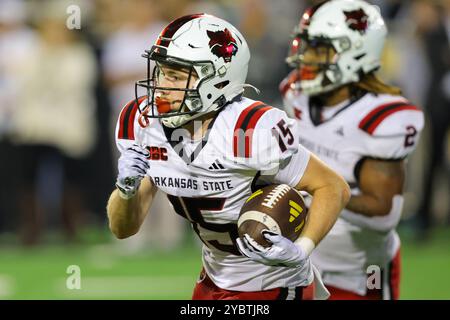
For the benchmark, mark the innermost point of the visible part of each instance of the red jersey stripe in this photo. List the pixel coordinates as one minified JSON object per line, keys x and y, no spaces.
{"x":245,"y":113}
{"x":243,"y":131}
{"x":123,"y":113}
{"x":127,"y":117}
{"x":251,"y":126}
{"x":386,"y":114}
{"x":372,"y":113}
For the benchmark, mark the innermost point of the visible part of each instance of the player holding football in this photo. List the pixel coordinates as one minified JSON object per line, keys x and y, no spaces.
{"x":363,"y":129}
{"x":197,"y":139}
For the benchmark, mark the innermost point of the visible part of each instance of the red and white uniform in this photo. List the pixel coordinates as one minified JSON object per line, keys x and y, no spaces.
{"x":382,"y":127}
{"x":207,"y":182}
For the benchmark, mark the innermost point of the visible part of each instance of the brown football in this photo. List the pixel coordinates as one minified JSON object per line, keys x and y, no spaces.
{"x":276,"y":207}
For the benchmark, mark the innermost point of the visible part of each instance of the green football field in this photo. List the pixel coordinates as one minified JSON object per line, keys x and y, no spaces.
{"x":107,"y":273}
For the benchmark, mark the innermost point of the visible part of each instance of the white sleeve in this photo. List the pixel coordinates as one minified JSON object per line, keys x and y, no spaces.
{"x":396,"y":136}
{"x":276,"y":151}
{"x":292,"y":169}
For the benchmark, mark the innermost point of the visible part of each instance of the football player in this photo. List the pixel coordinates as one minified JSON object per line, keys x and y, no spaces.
{"x":194,"y":136}
{"x":363,"y":129}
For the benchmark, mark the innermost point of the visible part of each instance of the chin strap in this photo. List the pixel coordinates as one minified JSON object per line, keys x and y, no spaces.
{"x":246,"y":85}
{"x":243,"y":86}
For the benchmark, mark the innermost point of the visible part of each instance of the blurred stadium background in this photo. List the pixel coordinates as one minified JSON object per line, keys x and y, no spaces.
{"x":61,"y":91}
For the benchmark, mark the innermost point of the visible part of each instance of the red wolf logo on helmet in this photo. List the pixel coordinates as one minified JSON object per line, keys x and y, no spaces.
{"x":222,"y":44}
{"x":357,"y":20}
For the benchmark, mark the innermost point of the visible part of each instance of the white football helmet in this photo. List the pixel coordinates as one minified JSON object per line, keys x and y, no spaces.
{"x":353,"y":28}
{"x":209,"y":47}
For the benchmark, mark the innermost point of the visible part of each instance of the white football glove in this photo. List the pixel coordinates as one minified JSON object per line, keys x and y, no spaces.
{"x":132,"y":166}
{"x":282,"y":253}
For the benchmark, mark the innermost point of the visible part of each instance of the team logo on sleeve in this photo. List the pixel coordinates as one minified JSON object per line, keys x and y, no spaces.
{"x":357,"y":20}
{"x":222,"y":44}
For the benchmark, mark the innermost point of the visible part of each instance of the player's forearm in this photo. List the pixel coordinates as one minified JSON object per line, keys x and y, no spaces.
{"x":368,"y":205}
{"x":328,"y":201}
{"x":125,"y":216}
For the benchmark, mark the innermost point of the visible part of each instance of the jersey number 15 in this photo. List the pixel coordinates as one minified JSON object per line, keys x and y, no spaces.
{"x":191,"y":209}
{"x":283,"y":134}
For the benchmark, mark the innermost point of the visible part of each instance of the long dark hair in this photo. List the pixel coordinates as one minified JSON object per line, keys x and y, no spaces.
{"x":371,"y":83}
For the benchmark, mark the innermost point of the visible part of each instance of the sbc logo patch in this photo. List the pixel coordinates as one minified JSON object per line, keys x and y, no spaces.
{"x":157,"y":153}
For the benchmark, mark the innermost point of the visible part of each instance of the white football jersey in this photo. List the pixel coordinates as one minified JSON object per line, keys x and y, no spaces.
{"x":208,"y":181}
{"x":374,"y":126}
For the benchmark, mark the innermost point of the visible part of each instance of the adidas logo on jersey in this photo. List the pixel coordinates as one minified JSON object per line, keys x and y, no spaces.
{"x":216,"y":165}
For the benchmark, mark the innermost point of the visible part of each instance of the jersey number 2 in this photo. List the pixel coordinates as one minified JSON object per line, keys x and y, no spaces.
{"x":411,"y":134}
